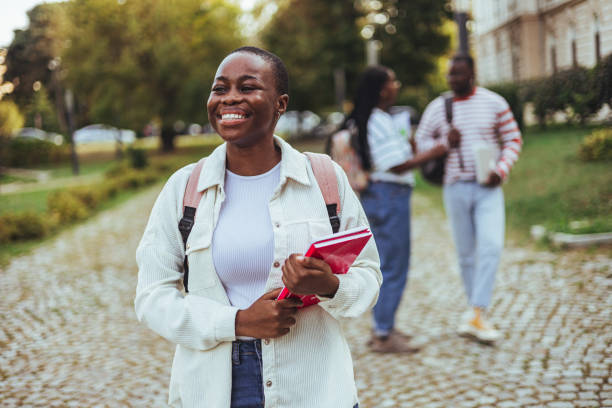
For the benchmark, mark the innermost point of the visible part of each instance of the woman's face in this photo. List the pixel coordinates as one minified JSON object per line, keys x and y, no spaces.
{"x":243,"y":103}
{"x":388,"y":94}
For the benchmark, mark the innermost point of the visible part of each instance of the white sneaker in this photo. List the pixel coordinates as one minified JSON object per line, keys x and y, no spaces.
{"x":478,"y":327}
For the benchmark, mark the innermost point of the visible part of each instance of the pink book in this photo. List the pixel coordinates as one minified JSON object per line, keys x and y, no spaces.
{"x":339,"y":251}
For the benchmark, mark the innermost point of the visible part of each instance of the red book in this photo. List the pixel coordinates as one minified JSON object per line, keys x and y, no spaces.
{"x":339,"y":251}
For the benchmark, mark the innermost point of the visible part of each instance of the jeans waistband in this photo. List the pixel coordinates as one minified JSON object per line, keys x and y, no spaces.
{"x":244,"y":348}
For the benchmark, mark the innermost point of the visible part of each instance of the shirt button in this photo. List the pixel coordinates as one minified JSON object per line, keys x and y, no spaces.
{"x":269,"y":383}
{"x":188,"y":246}
{"x":266,"y":341}
{"x":276,"y":264}
{"x":277,"y":224}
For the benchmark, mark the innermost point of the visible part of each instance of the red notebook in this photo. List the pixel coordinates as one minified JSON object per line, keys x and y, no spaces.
{"x":339,"y":251}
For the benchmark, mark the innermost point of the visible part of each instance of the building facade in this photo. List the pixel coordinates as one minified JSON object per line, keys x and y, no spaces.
{"x":515,"y":40}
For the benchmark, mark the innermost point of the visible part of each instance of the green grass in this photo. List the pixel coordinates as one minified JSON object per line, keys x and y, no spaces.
{"x":551,"y":186}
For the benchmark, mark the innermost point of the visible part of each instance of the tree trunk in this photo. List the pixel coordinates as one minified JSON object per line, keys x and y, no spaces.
{"x":167,"y":138}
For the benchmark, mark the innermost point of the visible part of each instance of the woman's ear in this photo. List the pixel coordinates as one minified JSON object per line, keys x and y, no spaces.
{"x":281,"y":103}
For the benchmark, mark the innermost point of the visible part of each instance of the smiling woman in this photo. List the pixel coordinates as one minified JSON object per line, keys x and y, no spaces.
{"x":260,"y":207}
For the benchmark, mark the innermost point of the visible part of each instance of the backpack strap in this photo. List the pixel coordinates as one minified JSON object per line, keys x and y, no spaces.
{"x":448,"y":109}
{"x":324,"y":172}
{"x":191,"y":199}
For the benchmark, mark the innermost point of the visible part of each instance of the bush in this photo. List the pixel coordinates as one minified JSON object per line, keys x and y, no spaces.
{"x":138,"y":158}
{"x":512,"y":94}
{"x":66,"y":206}
{"x":597,"y":146}
{"x":22,"y":226}
{"x":90,"y":196}
{"x":24,"y":152}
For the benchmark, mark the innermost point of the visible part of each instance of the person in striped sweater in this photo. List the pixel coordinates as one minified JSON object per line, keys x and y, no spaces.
{"x":475,"y":210}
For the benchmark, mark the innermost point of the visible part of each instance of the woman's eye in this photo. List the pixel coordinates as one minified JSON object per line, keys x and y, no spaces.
{"x":248,"y":88}
{"x":218,"y":89}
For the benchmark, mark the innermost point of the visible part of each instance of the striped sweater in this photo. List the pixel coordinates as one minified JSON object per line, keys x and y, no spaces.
{"x":483,"y":116}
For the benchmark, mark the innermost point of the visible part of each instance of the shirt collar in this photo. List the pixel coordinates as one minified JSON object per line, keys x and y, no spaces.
{"x":293,"y":166}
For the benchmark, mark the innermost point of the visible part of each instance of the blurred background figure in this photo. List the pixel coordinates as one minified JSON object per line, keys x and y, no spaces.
{"x":387,"y":155}
{"x":484,"y":141}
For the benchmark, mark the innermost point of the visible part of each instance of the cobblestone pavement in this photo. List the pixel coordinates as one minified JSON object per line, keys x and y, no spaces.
{"x":69,"y":337}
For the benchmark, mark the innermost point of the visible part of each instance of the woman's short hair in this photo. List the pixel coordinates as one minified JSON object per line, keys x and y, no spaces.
{"x":281,"y":76}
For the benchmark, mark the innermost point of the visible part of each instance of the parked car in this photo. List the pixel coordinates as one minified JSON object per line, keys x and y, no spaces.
{"x":103,"y":133}
{"x":39,"y":134}
{"x":295,"y":124}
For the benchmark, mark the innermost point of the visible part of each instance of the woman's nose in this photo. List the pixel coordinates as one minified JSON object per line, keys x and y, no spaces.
{"x":231,"y":97}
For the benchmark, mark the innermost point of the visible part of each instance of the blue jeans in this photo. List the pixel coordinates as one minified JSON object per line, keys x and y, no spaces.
{"x":387,"y":206}
{"x":247,"y":382}
{"x":477,"y":218}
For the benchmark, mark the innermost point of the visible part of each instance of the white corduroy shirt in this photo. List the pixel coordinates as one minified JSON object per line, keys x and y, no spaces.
{"x":309,"y":367}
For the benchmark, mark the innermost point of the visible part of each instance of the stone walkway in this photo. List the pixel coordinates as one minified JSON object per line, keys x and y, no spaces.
{"x":69,"y":337}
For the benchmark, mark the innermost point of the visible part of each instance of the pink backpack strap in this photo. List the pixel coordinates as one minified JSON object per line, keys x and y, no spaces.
{"x":192,"y":196}
{"x":191,"y":199}
{"x":324,"y":172}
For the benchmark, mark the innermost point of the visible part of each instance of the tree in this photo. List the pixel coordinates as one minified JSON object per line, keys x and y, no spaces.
{"x":131,"y":62}
{"x":33,"y":54}
{"x":315,"y":37}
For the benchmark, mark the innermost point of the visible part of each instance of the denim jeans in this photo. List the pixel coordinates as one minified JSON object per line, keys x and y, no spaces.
{"x":477,"y":218}
{"x":247,"y":382}
{"x":387,"y":206}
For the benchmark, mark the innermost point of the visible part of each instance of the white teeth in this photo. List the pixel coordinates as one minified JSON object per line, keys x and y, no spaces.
{"x":229,"y":116}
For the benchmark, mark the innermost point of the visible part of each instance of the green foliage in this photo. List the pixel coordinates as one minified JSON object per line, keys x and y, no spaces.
{"x":138,"y":157}
{"x":32,"y":51}
{"x":22,"y":226}
{"x":10,"y":119}
{"x":27,"y":152}
{"x":316,"y":37}
{"x":511,"y":92}
{"x":66,"y":207}
{"x":597,"y":146}
{"x":147,"y":59}
{"x":40,"y":113}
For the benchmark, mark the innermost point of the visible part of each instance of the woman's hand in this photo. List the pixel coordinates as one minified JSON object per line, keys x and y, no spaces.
{"x":306,"y":276}
{"x":267,"y":317}
{"x":454,"y":137}
{"x":493,"y":180}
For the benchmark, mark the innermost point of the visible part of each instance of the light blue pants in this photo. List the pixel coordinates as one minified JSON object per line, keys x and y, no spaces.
{"x":387,"y":206}
{"x":477,"y":218}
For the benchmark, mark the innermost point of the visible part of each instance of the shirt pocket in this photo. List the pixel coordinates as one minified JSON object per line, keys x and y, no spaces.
{"x":301,"y":233}
{"x":199,"y":256}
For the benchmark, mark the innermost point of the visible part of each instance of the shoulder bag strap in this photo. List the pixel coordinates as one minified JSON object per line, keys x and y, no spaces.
{"x":323,"y":169}
{"x":448,"y":108}
{"x":191,"y":199}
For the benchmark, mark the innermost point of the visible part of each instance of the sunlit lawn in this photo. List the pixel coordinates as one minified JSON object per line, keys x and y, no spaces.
{"x":551,"y":186}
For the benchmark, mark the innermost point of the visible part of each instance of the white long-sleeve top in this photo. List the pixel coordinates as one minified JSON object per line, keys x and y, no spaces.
{"x":243,"y":240}
{"x":309,"y":367}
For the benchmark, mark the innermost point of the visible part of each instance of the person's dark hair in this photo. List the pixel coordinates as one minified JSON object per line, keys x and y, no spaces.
{"x":278,"y":66}
{"x":372,"y":81}
{"x":467,"y":58}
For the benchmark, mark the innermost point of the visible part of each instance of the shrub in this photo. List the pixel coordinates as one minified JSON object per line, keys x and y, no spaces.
{"x":24,"y":152}
{"x":597,"y":146}
{"x":89,"y":195}
{"x":66,"y":206}
{"x":22,"y":226}
{"x":138,"y":158}
{"x":511,"y":92}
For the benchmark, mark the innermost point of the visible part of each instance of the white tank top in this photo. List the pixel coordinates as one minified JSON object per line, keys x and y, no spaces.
{"x":243,"y":240}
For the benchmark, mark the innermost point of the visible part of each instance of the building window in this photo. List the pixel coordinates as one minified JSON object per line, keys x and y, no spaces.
{"x":553,"y":59}
{"x":597,"y":40}
{"x":574,"y":54}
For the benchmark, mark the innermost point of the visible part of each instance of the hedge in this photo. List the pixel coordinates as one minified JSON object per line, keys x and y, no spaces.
{"x":580,"y":92}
